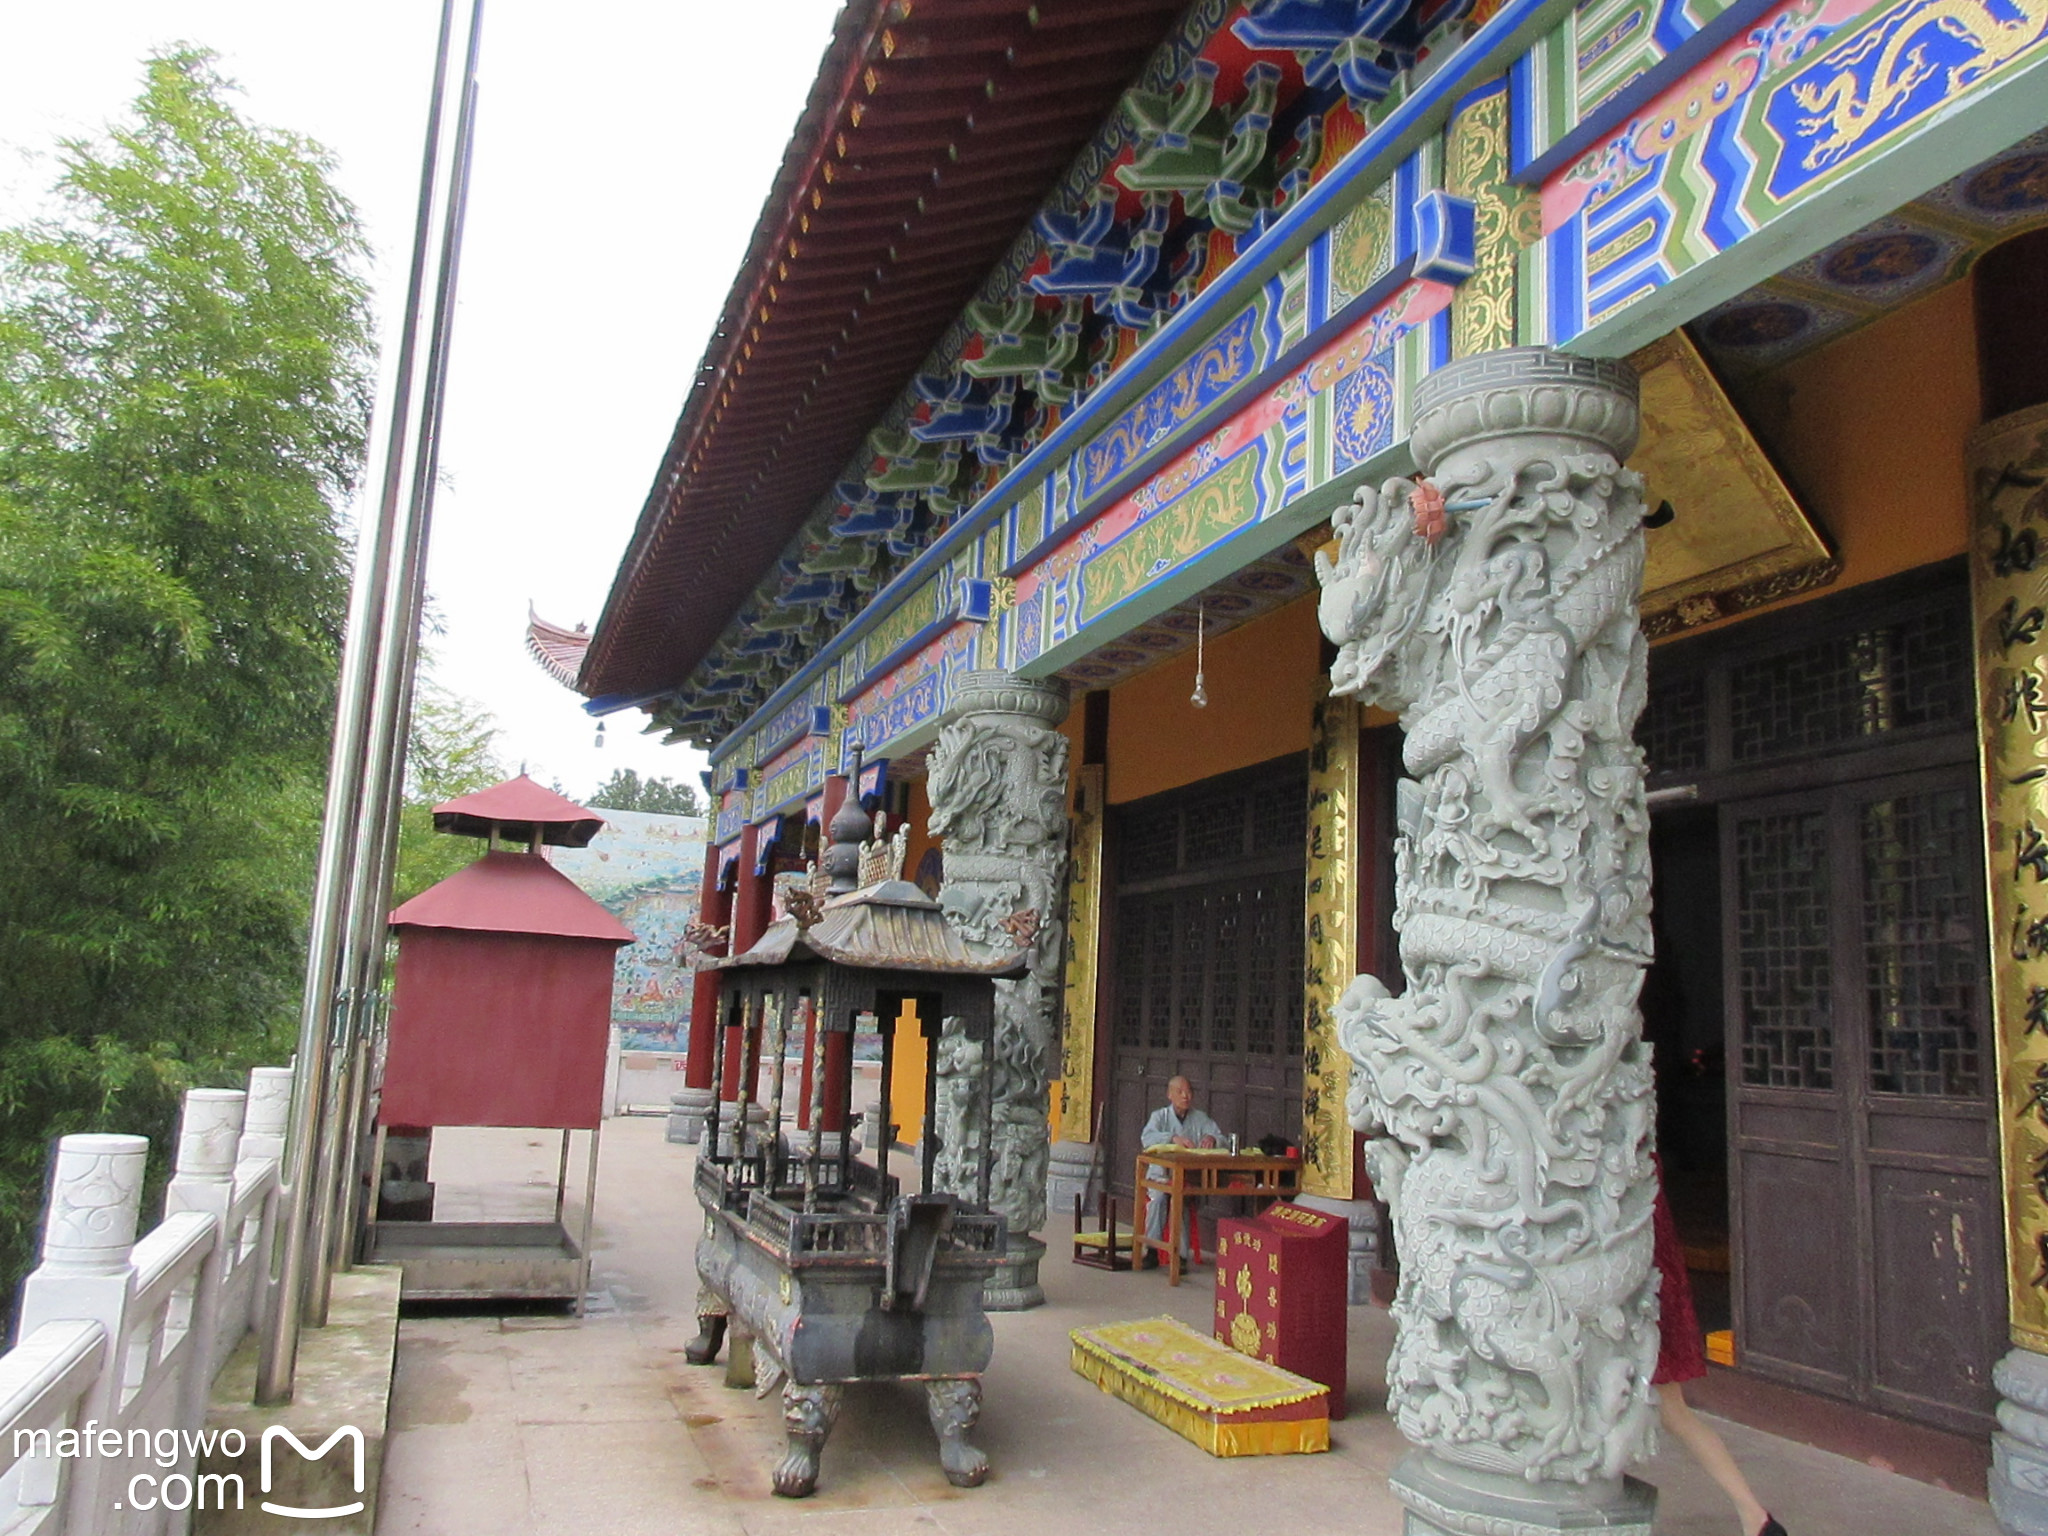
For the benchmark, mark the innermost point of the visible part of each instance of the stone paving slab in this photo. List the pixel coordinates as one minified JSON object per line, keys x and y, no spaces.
{"x":534,"y":1425}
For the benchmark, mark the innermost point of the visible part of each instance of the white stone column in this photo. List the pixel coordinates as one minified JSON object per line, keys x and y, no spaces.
{"x":1506,"y":1092}
{"x":998,"y":786}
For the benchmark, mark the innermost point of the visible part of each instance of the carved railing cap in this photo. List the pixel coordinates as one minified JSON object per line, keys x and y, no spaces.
{"x":1524,"y":390}
{"x":993,"y":692}
{"x":103,"y":1144}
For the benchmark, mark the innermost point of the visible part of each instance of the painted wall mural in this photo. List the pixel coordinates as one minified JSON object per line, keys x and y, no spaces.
{"x":646,"y":870}
{"x":1322,"y":419}
{"x":1889,"y":262}
{"x":1771,"y":118}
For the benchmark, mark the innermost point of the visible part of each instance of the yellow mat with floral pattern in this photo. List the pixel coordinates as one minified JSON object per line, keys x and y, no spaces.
{"x":1227,"y":1403}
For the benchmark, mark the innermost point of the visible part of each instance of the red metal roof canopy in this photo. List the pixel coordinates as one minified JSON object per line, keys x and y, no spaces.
{"x":931,"y":137}
{"x":501,"y":1003}
{"x":516,"y":806}
{"x":506,"y":892}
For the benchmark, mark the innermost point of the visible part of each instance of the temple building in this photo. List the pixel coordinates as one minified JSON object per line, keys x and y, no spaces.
{"x":1223,"y":467}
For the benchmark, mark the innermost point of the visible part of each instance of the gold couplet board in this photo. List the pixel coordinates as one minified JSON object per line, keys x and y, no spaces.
{"x":1330,"y":956}
{"x":1084,"y":951}
{"x":2008,"y":463}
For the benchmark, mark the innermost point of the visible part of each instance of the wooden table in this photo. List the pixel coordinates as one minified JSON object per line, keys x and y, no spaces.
{"x":1192,"y":1173}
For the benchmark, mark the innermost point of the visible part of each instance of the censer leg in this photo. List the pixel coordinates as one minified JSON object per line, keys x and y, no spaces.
{"x":807,"y":1415}
{"x":954,"y":1407}
{"x":703,"y":1349}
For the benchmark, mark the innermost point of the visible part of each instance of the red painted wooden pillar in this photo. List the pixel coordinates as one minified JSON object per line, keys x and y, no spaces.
{"x":714,"y":907}
{"x":750,"y":907}
{"x":835,"y":793}
{"x":838,"y":1072}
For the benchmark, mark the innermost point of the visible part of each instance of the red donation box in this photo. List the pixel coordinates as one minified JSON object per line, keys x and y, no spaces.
{"x":1281,"y":1293}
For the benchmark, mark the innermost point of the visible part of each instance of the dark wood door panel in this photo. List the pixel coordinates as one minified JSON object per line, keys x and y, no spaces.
{"x":1797,"y":1318}
{"x":1871,"y":1233}
{"x":1937,"y":1241}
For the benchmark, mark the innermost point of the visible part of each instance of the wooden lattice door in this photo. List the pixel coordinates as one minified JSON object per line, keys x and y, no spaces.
{"x":1868,"y":1231}
{"x":1208,"y":955}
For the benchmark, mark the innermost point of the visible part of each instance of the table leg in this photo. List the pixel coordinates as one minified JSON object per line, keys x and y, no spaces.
{"x":1140,"y":1200}
{"x":1176,"y":1213}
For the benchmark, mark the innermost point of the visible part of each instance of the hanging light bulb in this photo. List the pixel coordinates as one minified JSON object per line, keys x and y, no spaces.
{"x":1200,"y":697}
{"x":600,"y":734}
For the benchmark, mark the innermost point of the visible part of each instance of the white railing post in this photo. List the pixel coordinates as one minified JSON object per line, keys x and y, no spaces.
{"x":208,"y":1133}
{"x":263,"y":1137}
{"x":86,"y":1276}
{"x":270,"y":1107}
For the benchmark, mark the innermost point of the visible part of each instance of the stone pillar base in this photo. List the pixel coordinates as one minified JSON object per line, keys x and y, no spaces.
{"x":1014,"y":1286}
{"x":2019,"y":1450}
{"x":1446,"y":1500}
{"x":1067,"y":1174}
{"x":688,"y":1110}
{"x":1364,"y":1219}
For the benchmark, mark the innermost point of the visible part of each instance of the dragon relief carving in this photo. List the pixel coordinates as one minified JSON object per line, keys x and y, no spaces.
{"x":1842,"y":116}
{"x":1506,"y":1092}
{"x":998,"y":786}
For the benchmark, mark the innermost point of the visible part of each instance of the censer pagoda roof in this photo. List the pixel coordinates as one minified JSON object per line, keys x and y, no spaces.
{"x":932,"y":135}
{"x":889,"y":926}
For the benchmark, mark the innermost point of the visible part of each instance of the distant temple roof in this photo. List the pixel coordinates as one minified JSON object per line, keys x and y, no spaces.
{"x":506,"y":892}
{"x":931,"y":136}
{"x":517,"y":805}
{"x":559,"y":651}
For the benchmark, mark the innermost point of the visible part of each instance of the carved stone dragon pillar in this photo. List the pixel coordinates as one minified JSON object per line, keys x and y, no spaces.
{"x":1506,"y":1092}
{"x":998,"y":785}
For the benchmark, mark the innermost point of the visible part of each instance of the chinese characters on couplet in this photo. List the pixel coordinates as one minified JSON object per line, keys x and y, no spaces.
{"x":2009,"y":593}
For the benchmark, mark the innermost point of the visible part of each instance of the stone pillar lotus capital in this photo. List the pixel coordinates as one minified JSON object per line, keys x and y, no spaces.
{"x":1524,"y":391}
{"x":989,"y":692}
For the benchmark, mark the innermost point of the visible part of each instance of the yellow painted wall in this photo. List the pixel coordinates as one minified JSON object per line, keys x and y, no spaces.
{"x":1869,"y":433}
{"x":1262,"y":685}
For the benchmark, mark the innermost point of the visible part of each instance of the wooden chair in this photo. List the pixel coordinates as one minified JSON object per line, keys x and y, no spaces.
{"x":1106,"y":1247}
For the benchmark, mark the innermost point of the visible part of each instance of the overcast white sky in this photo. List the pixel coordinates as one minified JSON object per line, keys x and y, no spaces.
{"x":623,"y":152}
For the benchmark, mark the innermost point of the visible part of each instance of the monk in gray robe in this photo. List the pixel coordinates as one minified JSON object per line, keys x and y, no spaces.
{"x":1178,"y":1124}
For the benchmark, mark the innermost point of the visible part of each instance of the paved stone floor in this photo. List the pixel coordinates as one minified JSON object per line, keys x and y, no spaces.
{"x":537,"y":1425}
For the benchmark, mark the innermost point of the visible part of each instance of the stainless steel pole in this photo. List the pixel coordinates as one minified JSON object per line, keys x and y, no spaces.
{"x":383,"y":778}
{"x":277,"y":1355}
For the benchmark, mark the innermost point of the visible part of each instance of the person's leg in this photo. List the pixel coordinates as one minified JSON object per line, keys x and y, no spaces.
{"x":1155,"y":1216}
{"x":1708,"y":1449}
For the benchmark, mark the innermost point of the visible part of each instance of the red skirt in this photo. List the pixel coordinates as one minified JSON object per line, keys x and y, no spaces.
{"x":1681,"y":1352}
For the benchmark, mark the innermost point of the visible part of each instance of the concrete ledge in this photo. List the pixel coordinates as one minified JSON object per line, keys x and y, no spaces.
{"x":343,"y":1379}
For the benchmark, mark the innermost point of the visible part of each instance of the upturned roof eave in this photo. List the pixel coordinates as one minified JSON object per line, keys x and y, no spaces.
{"x":827,"y":103}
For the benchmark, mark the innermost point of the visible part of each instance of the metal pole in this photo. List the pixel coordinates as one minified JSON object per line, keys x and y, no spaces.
{"x":278,"y":1349}
{"x":383,"y":780}
{"x":562,"y":1178}
{"x":589,"y":1220}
